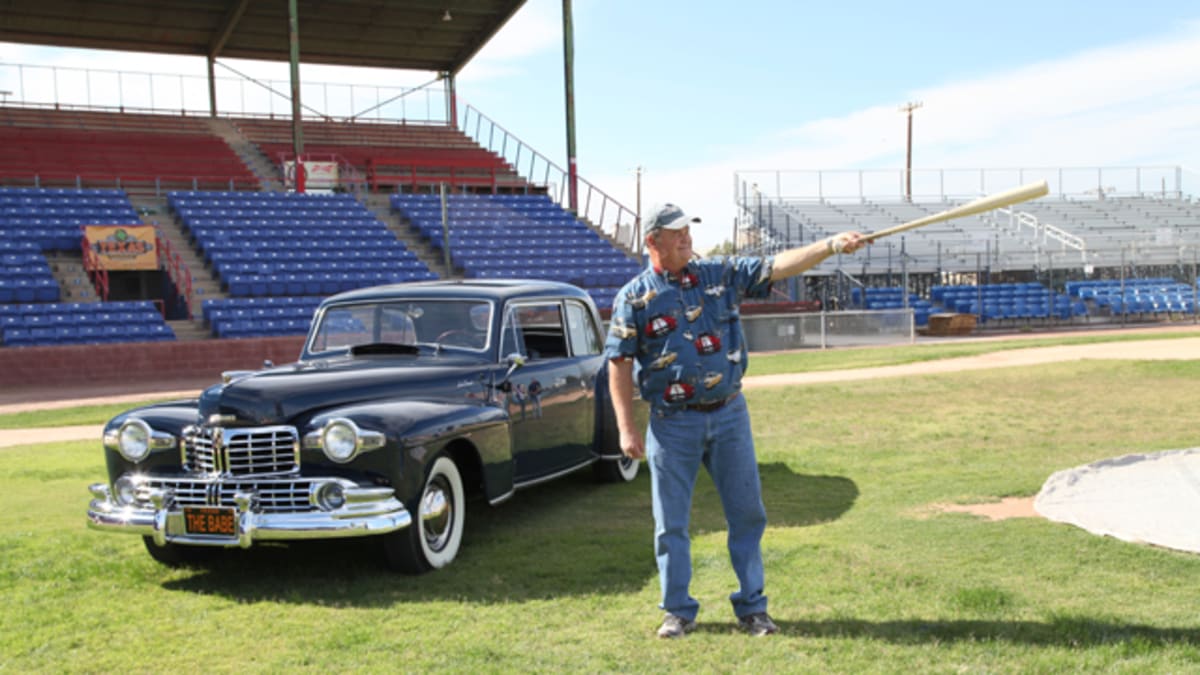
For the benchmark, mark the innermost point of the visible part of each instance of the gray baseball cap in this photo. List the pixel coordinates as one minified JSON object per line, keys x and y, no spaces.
{"x":667,"y":217}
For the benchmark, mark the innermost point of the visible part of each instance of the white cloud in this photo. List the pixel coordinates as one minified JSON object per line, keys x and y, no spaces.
{"x":1135,"y":104}
{"x":536,"y":28}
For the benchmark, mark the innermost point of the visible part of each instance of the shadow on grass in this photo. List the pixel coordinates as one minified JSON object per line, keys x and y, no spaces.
{"x":1067,"y":631}
{"x":569,"y":537}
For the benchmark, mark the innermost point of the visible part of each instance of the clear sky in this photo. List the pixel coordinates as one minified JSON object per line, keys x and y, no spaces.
{"x":694,"y":91}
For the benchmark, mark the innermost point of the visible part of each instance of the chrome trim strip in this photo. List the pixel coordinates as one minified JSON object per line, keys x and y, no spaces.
{"x":502,"y":498}
{"x":550,"y":477}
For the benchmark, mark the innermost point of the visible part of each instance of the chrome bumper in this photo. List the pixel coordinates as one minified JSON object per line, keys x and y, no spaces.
{"x":367,"y":511}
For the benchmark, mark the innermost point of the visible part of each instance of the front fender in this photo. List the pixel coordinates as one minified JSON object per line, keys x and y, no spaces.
{"x":169,"y":417}
{"x":418,"y":431}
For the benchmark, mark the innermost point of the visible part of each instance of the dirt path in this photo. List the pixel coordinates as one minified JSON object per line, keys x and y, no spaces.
{"x":1183,"y":349}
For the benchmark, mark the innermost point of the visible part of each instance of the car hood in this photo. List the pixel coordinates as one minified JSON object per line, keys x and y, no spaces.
{"x":280,"y":395}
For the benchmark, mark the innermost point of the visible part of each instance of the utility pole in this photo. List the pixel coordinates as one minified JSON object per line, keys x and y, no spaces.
{"x":908,"y":108}
{"x":637,"y":223}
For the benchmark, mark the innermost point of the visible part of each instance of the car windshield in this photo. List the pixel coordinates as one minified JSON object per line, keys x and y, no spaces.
{"x":458,"y":324}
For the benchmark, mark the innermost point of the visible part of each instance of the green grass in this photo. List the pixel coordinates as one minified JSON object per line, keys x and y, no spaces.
{"x":89,"y":414}
{"x":870,"y":357}
{"x":863,"y":574}
{"x":762,"y":364}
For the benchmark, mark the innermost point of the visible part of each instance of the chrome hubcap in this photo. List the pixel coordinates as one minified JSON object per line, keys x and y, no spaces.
{"x":437,"y":514}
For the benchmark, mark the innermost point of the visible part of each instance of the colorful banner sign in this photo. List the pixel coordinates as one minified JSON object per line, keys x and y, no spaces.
{"x":317,"y":175}
{"x":123,"y":247}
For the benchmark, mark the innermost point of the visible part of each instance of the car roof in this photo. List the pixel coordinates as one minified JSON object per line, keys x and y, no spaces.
{"x":492,"y":289}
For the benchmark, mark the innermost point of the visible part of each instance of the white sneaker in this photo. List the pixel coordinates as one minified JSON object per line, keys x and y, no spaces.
{"x":758,"y":624}
{"x":675,"y":626}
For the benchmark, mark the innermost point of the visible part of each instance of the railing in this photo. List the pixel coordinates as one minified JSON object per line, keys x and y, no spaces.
{"x":160,"y":183}
{"x":947,"y":184}
{"x":172,"y":262}
{"x":1044,"y":232}
{"x":96,"y":272}
{"x":64,"y":88}
{"x":594,"y":205}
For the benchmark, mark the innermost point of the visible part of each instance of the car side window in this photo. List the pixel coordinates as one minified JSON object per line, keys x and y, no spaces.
{"x":538,"y":328}
{"x":510,"y":336}
{"x":585,"y":338}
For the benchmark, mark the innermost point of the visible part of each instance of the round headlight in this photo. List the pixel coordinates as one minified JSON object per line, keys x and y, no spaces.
{"x":330,"y":496}
{"x":125,"y":491}
{"x":339,"y":439}
{"x":133,"y":440}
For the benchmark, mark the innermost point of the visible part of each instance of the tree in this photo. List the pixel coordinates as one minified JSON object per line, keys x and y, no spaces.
{"x":724,"y":248}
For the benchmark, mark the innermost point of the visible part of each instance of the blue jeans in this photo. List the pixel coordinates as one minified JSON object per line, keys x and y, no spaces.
{"x":676,"y":446}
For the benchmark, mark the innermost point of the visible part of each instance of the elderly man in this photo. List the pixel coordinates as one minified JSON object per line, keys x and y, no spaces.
{"x":678,"y":323}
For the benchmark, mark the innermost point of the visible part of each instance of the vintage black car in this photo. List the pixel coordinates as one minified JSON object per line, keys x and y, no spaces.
{"x":406,"y":401}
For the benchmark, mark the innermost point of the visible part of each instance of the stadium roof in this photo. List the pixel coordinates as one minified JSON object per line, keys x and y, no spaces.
{"x":430,"y":35}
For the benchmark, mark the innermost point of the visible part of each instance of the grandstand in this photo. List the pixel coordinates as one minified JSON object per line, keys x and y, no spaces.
{"x":252,"y":259}
{"x":1125,"y":234}
{"x":247,"y":258}
{"x":245,"y":248}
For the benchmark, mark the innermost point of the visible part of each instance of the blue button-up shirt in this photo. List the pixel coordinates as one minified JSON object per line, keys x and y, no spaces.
{"x":684,"y":331}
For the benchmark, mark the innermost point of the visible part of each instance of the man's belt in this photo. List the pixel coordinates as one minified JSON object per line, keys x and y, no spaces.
{"x":711,"y":406}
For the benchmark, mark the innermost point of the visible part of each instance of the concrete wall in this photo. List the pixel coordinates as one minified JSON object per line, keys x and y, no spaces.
{"x":138,"y":363}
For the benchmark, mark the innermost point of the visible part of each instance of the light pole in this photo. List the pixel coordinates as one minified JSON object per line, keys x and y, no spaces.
{"x":908,"y":108}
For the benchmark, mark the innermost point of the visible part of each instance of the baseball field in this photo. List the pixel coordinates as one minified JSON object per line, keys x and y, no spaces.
{"x":869,"y":566}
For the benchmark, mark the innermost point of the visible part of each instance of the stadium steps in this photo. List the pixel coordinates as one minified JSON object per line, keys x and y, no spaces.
{"x":154,"y":211}
{"x":190,"y":329}
{"x":380,"y":205}
{"x":72,"y":279}
{"x":249,"y":153}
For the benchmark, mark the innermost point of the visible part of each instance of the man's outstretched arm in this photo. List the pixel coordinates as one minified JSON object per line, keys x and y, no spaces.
{"x":803,"y":258}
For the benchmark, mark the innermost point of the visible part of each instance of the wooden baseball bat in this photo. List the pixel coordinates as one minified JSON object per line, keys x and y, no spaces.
{"x":1001,"y":199}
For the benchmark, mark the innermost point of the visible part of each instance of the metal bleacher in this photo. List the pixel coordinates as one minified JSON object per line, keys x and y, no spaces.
{"x":1152,"y":229}
{"x":1106,"y":243}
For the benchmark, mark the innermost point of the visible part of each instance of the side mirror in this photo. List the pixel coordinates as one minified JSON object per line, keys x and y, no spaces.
{"x":514,"y":361}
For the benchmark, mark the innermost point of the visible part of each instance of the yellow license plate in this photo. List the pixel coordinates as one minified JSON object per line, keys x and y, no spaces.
{"x":209,"y":520}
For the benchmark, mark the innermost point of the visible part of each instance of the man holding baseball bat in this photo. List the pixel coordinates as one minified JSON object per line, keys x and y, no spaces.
{"x":676,"y":329}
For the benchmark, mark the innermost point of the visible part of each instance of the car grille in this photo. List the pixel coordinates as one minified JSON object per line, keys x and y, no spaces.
{"x":254,"y":451}
{"x":272,"y":496}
